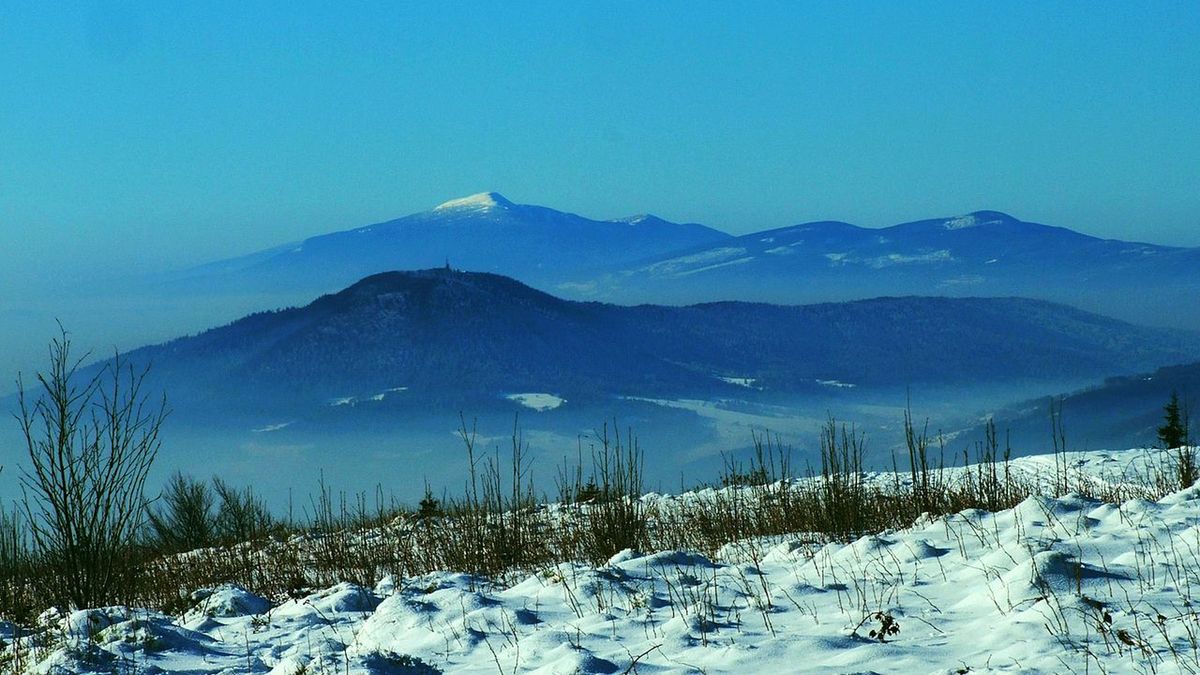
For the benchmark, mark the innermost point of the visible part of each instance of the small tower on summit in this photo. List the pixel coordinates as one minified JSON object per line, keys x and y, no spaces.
{"x":447,"y":263}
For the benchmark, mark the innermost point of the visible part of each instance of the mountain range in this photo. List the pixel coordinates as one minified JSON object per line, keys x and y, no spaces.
{"x":646,"y":259}
{"x":985,"y":253}
{"x":444,"y":338}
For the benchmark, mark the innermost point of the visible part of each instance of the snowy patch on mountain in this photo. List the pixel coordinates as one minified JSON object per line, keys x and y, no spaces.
{"x":707,"y":268}
{"x":537,"y":401}
{"x":701,"y":260}
{"x":375,"y":398}
{"x":836,"y":384}
{"x":747,"y":382}
{"x":961,"y":223}
{"x":967,"y":221}
{"x":696,"y":263}
{"x":482,"y":201}
{"x":893,"y":259}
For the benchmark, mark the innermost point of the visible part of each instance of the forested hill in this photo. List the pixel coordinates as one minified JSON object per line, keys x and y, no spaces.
{"x":442,"y":334}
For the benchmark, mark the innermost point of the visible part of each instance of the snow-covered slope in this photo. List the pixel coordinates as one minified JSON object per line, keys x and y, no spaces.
{"x":1051,"y":586}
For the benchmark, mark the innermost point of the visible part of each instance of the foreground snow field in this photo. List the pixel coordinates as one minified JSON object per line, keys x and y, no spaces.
{"x":1053,"y":585}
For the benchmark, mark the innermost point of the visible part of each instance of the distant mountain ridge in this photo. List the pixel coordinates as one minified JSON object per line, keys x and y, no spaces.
{"x":645,"y":259}
{"x":985,"y":253}
{"x":443,"y":336}
{"x":485,"y":232}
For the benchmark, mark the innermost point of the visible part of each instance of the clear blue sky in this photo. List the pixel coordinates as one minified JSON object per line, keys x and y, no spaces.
{"x":181,"y":132}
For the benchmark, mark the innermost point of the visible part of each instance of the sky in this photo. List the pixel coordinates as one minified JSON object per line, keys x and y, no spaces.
{"x":159,"y":135}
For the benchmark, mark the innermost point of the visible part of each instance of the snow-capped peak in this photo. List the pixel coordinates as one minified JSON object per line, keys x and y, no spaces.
{"x":476,"y":202}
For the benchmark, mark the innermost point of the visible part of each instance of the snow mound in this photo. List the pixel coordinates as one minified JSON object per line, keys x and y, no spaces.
{"x":225,"y":601}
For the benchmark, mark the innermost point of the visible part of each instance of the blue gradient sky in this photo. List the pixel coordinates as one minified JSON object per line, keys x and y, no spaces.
{"x":174,"y":133}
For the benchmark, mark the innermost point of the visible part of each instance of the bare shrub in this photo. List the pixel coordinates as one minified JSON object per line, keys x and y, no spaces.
{"x":91,"y":442}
